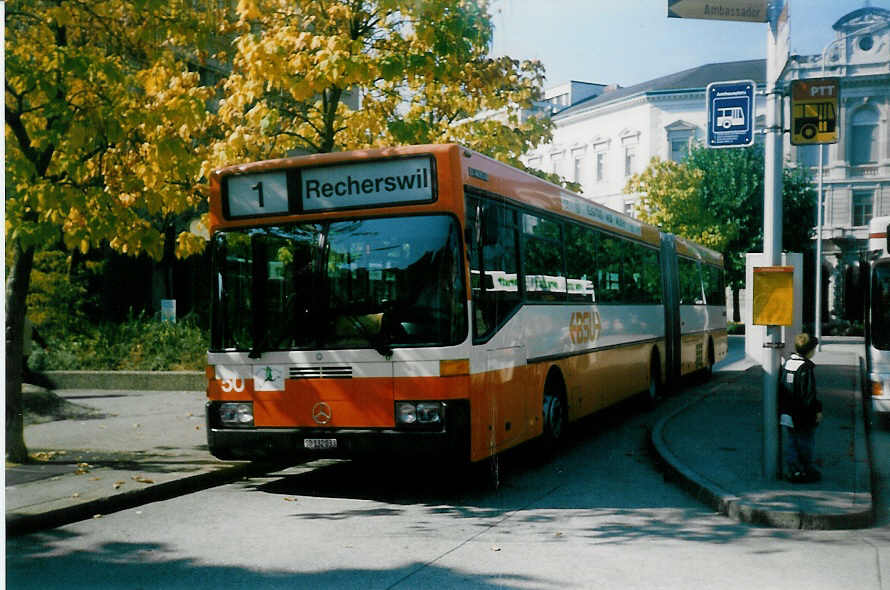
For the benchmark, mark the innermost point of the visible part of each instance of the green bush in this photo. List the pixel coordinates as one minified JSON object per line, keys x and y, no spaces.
{"x":59,"y":300}
{"x":838,"y":327}
{"x":138,"y":344}
{"x":735,"y":328}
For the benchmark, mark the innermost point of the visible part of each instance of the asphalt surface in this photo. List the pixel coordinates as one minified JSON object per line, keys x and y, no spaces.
{"x":128,"y":448}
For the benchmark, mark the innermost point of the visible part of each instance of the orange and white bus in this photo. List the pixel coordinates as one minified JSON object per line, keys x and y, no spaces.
{"x":431,"y":300}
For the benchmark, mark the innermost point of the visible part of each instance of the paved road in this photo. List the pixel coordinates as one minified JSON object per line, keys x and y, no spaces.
{"x":598,"y":514}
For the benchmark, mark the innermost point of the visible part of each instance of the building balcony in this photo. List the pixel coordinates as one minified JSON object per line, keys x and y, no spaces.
{"x":863,"y":171}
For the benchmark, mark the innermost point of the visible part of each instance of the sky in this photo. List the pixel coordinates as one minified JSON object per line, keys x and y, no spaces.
{"x":626,"y":42}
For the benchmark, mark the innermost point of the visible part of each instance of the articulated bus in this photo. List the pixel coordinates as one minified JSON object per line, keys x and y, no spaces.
{"x":877,"y":316}
{"x":430,"y":300}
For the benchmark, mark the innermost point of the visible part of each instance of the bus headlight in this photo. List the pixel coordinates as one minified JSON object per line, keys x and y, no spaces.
{"x":419,"y":413}
{"x":236,"y":413}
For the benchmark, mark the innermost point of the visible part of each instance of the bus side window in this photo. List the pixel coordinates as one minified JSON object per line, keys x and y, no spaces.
{"x":494,"y":267}
{"x":632,"y":275}
{"x":581,"y":263}
{"x":609,"y":256}
{"x":650,"y":275}
{"x":690,"y":282}
{"x":715,"y":291}
{"x":542,"y":263}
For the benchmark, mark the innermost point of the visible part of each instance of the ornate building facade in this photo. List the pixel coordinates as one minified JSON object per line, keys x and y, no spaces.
{"x":601,"y":140}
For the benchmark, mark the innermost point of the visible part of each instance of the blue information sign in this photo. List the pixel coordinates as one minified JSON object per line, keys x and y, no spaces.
{"x":730,"y":114}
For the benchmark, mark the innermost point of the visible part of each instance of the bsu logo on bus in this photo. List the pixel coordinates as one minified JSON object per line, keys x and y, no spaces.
{"x":584,"y":327}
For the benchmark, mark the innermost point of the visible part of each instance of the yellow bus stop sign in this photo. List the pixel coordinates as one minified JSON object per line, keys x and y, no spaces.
{"x":814,"y":109}
{"x":773,"y":295}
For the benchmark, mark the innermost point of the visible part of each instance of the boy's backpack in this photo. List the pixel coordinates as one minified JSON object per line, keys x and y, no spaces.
{"x":798,"y":380}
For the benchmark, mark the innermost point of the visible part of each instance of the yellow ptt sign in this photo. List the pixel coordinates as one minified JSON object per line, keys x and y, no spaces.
{"x":814,"y":111}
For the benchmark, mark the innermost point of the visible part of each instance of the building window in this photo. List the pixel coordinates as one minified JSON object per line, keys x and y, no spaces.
{"x":862,"y":207}
{"x":600,"y":166}
{"x":630,"y":160}
{"x":556,"y":160}
{"x":679,"y":149}
{"x":864,"y":137}
{"x":629,"y":208}
{"x":534,"y":163}
{"x":578,"y":161}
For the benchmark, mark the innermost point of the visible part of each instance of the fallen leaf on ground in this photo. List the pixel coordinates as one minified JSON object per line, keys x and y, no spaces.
{"x":142,"y":479}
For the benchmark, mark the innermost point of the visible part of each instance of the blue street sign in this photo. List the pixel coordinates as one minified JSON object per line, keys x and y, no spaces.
{"x":730,"y":114}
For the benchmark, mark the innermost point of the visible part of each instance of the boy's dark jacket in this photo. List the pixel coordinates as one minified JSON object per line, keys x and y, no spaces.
{"x":797,"y":393}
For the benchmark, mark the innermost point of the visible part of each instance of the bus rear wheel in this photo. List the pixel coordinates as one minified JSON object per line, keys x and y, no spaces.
{"x":653,"y":393}
{"x":555,"y":414}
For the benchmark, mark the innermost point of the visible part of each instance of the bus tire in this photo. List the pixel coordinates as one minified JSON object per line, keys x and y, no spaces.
{"x":654,"y":392}
{"x":554,"y":411}
{"x":709,"y":368}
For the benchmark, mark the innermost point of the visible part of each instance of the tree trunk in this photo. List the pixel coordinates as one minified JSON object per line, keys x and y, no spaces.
{"x":736,"y":313}
{"x":17,"y":284}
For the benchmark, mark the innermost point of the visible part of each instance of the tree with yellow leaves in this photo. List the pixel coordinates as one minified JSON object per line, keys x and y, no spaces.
{"x":104,"y":118}
{"x":330,"y":75}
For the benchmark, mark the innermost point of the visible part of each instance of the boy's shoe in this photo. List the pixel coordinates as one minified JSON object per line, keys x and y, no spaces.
{"x":797,"y":477}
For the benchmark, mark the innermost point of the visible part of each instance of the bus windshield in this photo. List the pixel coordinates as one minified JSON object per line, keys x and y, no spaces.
{"x":880,"y":306}
{"x":366,"y":283}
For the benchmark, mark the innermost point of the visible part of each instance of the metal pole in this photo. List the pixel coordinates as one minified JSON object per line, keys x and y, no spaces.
{"x":818,"y":318}
{"x":772,"y":239}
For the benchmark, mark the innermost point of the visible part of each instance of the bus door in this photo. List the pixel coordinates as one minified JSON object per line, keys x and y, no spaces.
{"x":500,"y":407}
{"x":671,"y":289}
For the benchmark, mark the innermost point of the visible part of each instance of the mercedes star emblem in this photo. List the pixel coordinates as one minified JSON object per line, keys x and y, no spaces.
{"x":321,"y":413}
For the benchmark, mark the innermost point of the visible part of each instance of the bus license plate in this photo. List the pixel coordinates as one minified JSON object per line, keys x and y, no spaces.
{"x":320,"y":443}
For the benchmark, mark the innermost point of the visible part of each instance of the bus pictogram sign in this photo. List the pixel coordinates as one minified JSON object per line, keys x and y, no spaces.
{"x":814,"y":106}
{"x":730,"y":114}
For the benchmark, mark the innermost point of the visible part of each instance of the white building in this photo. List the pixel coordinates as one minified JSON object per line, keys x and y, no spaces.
{"x":604,"y":138}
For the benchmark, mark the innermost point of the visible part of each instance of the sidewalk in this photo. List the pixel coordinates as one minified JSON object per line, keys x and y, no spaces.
{"x":713,"y":446}
{"x":143,"y":446}
{"x":137,"y":447}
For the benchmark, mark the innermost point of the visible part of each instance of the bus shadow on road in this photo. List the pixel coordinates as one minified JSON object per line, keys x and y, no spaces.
{"x":603,"y":462}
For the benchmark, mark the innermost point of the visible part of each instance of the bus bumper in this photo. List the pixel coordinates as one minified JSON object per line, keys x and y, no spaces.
{"x":451,"y":441}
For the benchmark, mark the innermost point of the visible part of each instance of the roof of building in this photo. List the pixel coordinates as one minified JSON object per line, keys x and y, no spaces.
{"x":857,"y":14}
{"x":692,"y":79}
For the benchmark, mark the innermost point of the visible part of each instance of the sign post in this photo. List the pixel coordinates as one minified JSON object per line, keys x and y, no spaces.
{"x":776,"y":57}
{"x":775,"y":13}
{"x":814,"y":107}
{"x":730,"y":114}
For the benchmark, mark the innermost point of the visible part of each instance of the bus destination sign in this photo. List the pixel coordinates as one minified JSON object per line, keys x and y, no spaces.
{"x":398,"y":181}
{"x":371,"y":184}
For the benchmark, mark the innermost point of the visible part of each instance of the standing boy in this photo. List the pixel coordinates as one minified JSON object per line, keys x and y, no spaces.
{"x":800,"y":409}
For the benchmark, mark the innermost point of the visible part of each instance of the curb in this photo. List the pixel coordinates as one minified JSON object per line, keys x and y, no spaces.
{"x":740,"y":509}
{"x":128,"y":380}
{"x":23,"y":524}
